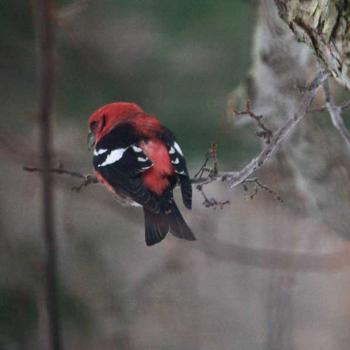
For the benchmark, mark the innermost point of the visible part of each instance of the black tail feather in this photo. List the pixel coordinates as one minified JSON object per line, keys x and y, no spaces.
{"x":178,"y":226}
{"x":186,"y":191}
{"x":158,"y":225}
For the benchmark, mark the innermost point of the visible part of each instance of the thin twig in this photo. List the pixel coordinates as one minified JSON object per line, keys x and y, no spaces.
{"x":199,"y":174}
{"x":87,"y":179}
{"x":259,"y":185}
{"x":59,"y":170}
{"x":46,"y":66}
{"x":265,"y":132}
{"x":235,"y":178}
{"x":212,"y":171}
{"x":342,"y":107}
{"x":335,"y":114}
{"x":212,"y":175}
{"x":211,"y":202}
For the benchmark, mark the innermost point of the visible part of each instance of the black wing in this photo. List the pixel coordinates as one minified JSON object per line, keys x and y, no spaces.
{"x":120,"y":161}
{"x":179,"y":163}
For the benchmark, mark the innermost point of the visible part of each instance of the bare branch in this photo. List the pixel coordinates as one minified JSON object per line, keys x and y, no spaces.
{"x":335,"y":114}
{"x":261,"y":258}
{"x":211,"y":171}
{"x":343,"y":107}
{"x":211,"y":202}
{"x":59,"y":170}
{"x":87,"y":179}
{"x":235,"y":178}
{"x":259,"y":185}
{"x":45,"y":39}
{"x":265,"y":132}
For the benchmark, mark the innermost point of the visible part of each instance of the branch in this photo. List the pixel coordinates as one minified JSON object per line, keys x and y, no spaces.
{"x":45,"y":40}
{"x":323,"y":27}
{"x":261,"y":258}
{"x":257,"y":186}
{"x":211,"y":202}
{"x":265,"y":132}
{"x":335,"y":114}
{"x":342,"y":108}
{"x":87,"y":179}
{"x":236,"y":178}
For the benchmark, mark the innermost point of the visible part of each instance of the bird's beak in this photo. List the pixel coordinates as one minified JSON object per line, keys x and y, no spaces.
{"x":91,"y":141}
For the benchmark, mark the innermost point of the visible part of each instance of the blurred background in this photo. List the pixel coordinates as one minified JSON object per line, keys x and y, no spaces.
{"x":262,"y":275}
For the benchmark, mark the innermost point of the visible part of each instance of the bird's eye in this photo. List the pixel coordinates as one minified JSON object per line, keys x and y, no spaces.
{"x":93,"y":126}
{"x":103,"y":122}
{"x":98,"y":125}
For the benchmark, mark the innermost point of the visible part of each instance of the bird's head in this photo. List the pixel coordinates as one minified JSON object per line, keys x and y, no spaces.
{"x":105,"y":118}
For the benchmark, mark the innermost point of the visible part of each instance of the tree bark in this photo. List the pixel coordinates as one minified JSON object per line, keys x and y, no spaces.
{"x":45,"y":39}
{"x":324,"y":26}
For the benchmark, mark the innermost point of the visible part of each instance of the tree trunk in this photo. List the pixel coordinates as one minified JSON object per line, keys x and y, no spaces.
{"x":324,"y":26}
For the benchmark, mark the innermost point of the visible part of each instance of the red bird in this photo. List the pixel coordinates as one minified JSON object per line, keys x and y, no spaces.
{"x":140,"y":161}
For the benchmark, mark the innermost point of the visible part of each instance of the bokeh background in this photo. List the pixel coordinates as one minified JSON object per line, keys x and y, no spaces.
{"x":236,"y":287}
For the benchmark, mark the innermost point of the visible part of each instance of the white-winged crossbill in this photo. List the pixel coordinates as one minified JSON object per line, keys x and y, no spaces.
{"x":139,"y":160}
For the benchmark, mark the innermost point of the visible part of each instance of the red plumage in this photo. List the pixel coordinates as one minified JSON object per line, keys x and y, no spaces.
{"x":156,"y":178}
{"x":138,"y":158}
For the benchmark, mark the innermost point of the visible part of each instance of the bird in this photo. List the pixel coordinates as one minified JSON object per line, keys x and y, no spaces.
{"x":140,"y":161}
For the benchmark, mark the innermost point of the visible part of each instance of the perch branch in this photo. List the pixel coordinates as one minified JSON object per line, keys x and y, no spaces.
{"x":59,"y":170}
{"x":87,"y":179}
{"x":261,"y":258}
{"x":213,"y":175}
{"x":234,"y":178}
